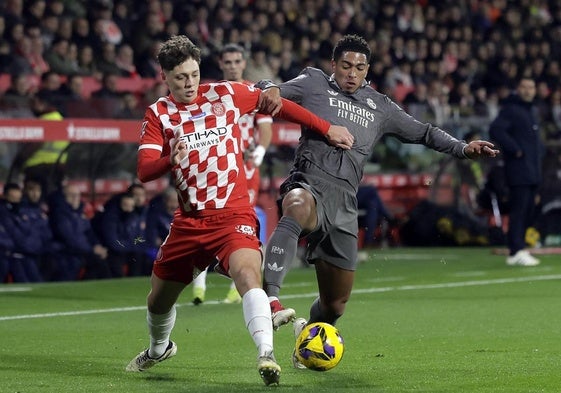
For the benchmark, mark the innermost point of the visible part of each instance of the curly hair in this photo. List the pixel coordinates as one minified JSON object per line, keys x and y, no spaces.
{"x":351,"y":43}
{"x":176,"y":50}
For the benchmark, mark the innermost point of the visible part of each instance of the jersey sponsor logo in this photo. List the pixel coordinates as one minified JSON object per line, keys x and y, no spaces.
{"x":333,"y":93}
{"x":204,"y":138}
{"x":245,"y":230}
{"x":370,"y":103}
{"x":274,"y":267}
{"x":277,"y":250}
{"x":197,"y":116}
{"x":218,"y":109}
{"x":355,"y":113}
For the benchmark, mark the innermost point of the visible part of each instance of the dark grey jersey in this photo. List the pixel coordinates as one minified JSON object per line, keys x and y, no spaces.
{"x":367,"y":114}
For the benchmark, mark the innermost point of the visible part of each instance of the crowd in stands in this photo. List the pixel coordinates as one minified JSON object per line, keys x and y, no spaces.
{"x":52,"y":238}
{"x":440,"y":60}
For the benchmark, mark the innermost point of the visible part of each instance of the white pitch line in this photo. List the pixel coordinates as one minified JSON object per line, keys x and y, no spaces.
{"x":304,"y":295}
{"x":14,"y":289}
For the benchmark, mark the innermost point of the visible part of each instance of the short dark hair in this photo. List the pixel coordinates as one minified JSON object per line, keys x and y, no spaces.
{"x":11,"y":186}
{"x":176,"y":50}
{"x":351,"y":43}
{"x":232,"y":48}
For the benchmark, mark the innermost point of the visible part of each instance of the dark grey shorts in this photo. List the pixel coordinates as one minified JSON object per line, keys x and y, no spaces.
{"x":335,"y":239}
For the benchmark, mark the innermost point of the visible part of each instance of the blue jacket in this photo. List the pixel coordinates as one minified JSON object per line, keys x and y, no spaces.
{"x":122,"y":232}
{"x":516,"y":132}
{"x":158,"y":221}
{"x":6,"y":241}
{"x":40,"y":228}
{"x":72,"y":228}
{"x":27,"y":237}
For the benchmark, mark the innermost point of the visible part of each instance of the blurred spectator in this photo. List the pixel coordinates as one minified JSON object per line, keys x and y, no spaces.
{"x":289,"y":67}
{"x":57,"y":7}
{"x":34,"y":207}
{"x":14,"y":32}
{"x":158,"y":219}
{"x":257,"y":66}
{"x":467,"y":179}
{"x":125,"y":61}
{"x":35,"y":12}
{"x":130,"y":107}
{"x":462,"y":100}
{"x":49,"y":92}
{"x":6,"y":245}
{"x":86,"y":63}
{"x":121,"y":228}
{"x":6,"y":58}
{"x":481,"y":102}
{"x":106,"y":63}
{"x":416,"y":103}
{"x":158,"y":89}
{"x":79,"y":247}
{"x":45,"y":160}
{"x":72,"y":89}
{"x":549,"y":224}
{"x":19,"y":92}
{"x":81,"y":33}
{"x":147,"y":30}
{"x":371,"y":212}
{"x":148,"y":66}
{"x":58,"y":57}
{"x":104,"y":27}
{"x":49,"y":28}
{"x":108,"y":87}
{"x":22,"y":60}
{"x":65,"y":28}
{"x":123,"y":18}
{"x":28,"y":241}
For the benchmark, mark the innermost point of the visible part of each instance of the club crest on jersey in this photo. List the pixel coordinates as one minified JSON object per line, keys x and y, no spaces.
{"x":370,"y":103}
{"x":218,"y":109}
{"x":246,"y":230}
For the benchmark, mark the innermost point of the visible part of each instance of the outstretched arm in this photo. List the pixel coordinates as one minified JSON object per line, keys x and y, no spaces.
{"x":336,"y":135}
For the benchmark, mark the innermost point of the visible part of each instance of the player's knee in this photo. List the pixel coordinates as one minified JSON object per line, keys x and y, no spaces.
{"x":299,"y":204}
{"x":158,"y":307}
{"x":246,"y":277}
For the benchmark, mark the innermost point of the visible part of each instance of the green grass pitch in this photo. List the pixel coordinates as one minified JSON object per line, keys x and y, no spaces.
{"x":419,"y":320}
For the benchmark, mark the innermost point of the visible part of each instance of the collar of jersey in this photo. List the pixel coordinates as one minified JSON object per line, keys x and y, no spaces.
{"x":334,"y":81}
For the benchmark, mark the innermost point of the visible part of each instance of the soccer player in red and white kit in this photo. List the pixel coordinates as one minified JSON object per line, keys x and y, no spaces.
{"x":193,"y":133}
{"x":256,"y":134}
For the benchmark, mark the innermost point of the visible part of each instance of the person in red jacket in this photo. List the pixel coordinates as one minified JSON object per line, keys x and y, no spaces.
{"x":194,"y":134}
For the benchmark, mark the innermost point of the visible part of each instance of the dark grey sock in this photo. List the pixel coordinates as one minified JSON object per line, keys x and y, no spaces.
{"x":280,"y":251}
{"x":316,"y":315}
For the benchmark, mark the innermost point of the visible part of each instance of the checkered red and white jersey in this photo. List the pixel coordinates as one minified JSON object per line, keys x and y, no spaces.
{"x":248,"y":123}
{"x":212,"y":176}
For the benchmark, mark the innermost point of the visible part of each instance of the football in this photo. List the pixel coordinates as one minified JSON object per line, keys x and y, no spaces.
{"x":319,"y":346}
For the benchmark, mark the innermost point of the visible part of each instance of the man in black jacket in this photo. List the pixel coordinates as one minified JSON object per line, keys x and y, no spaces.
{"x":516,"y":131}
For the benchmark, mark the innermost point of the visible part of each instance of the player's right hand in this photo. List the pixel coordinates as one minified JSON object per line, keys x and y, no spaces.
{"x":270,"y":102}
{"x":178,"y":151}
{"x":341,"y":137}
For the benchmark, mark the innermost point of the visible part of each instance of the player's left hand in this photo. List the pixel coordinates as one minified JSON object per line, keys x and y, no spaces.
{"x":270,"y":102}
{"x":257,"y":155}
{"x":476,"y":149}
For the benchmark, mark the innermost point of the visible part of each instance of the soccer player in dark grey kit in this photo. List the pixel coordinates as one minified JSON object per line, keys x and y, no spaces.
{"x":319,"y":196}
